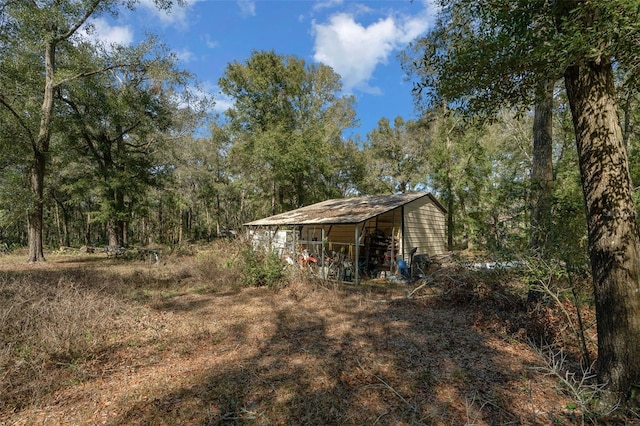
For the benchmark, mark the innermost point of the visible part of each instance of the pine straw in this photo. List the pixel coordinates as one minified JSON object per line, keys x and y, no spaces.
{"x":176,"y":345}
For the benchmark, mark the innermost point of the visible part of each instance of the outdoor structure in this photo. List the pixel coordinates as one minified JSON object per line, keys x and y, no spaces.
{"x":382,"y":232}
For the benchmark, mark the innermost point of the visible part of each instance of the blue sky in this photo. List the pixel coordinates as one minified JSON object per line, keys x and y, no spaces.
{"x":360,"y":40}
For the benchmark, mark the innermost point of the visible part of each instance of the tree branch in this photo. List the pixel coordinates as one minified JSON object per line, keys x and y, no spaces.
{"x":15,"y":114}
{"x":85,"y":133}
{"x":90,"y":73}
{"x":87,"y":14}
{"x":128,"y":130}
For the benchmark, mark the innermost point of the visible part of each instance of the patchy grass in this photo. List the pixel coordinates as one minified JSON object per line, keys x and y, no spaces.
{"x":91,"y":340}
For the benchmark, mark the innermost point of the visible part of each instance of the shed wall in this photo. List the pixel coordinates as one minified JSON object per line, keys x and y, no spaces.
{"x":424,"y":227}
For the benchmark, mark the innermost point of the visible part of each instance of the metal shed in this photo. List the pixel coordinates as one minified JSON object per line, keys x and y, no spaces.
{"x":379,"y":231}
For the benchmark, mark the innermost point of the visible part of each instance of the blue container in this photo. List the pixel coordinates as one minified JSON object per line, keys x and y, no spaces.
{"x":403,"y":269}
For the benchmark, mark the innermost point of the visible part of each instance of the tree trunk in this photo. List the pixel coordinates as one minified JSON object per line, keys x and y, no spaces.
{"x":112,"y":234}
{"x":40,"y":152}
{"x":113,"y":225}
{"x":614,"y":248}
{"x":450,"y":222}
{"x":449,"y":188}
{"x":62,"y":223}
{"x":87,"y":230}
{"x":36,"y":251}
{"x":65,"y":225}
{"x":124,"y":226}
{"x":626,"y":121}
{"x":273,"y":198}
{"x":119,"y":213}
{"x":542,"y":168}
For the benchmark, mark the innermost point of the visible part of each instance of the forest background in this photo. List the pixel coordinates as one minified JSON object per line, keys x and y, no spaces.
{"x":128,"y":163}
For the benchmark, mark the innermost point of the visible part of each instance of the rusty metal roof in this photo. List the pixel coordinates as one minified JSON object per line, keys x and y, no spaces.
{"x":342,"y":210}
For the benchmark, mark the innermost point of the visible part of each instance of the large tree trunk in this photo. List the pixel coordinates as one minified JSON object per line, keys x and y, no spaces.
{"x":113,"y":226}
{"x":40,"y":152}
{"x":541,"y":175}
{"x":614,"y":248}
{"x":542,"y":168}
{"x":36,"y":252}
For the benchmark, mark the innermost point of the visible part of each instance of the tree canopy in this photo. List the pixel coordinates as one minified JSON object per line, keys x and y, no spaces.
{"x":42,"y":54}
{"x":287,"y":123}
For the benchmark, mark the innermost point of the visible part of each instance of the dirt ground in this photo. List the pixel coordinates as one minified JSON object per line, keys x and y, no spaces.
{"x":181,"y":349}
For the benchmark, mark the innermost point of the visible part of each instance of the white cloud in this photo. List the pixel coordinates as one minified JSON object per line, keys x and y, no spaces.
{"x":102,"y":32}
{"x":223,"y":102}
{"x":211,"y":44}
{"x":354,"y":50}
{"x":176,"y":16}
{"x":326,"y":4}
{"x":247,"y":7}
{"x":185,"y":55}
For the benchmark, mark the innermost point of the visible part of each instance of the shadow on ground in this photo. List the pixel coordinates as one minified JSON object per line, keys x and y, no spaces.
{"x":405,"y":362}
{"x":306,"y":356}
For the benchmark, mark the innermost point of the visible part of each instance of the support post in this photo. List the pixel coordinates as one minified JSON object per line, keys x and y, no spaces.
{"x":392,"y":261}
{"x":294,"y":255}
{"x":324,"y":275}
{"x":356,"y":261}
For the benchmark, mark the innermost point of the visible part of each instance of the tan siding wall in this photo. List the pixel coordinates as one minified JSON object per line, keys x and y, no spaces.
{"x":424,"y":227}
{"x":344,"y":234}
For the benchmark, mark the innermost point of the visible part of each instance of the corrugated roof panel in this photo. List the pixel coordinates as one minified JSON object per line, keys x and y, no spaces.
{"x":341,"y":210}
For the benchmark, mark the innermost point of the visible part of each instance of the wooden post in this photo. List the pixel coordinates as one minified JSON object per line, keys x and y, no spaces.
{"x":324,"y":275}
{"x":393,"y":249}
{"x":356,"y":262}
{"x":294,"y":255}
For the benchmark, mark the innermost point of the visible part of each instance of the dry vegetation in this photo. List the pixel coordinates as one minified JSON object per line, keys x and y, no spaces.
{"x":91,"y":340}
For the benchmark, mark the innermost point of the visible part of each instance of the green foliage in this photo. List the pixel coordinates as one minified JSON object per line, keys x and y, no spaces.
{"x":204,"y":182}
{"x":484,"y":54}
{"x":112,"y":132}
{"x":51,"y":81}
{"x":487,"y":54}
{"x":567,"y":237}
{"x":262,"y":268}
{"x":395,"y":156}
{"x":286,"y":126}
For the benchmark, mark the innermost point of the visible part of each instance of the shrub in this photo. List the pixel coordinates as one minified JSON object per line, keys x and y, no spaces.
{"x":218,"y":266}
{"x":45,"y":324}
{"x":262,"y":268}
